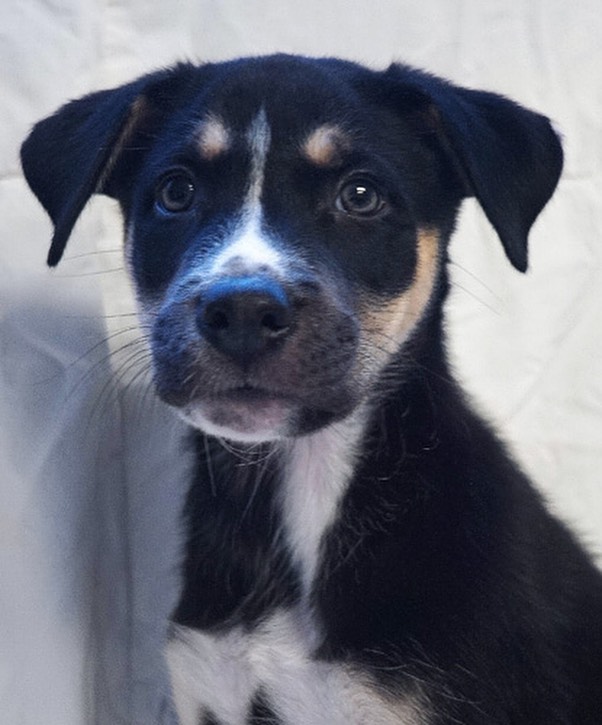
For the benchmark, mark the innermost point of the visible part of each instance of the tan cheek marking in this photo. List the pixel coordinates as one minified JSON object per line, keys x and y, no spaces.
{"x":213,"y":138}
{"x":390,"y":325}
{"x":324,"y":145}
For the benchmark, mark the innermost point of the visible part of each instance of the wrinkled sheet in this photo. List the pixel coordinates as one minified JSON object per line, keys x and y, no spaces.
{"x":92,"y":467}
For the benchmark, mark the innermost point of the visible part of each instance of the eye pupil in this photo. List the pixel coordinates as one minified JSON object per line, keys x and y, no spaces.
{"x":176,"y":193}
{"x":359,"y":198}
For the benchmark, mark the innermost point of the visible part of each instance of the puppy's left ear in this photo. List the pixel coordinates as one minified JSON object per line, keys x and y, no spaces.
{"x":92,"y":145}
{"x":509,"y":157}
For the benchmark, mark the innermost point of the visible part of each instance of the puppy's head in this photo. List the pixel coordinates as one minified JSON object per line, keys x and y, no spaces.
{"x":286,"y":220}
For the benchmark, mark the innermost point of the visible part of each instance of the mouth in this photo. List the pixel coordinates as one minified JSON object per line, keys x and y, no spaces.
{"x":245,"y":413}
{"x":249,"y":394}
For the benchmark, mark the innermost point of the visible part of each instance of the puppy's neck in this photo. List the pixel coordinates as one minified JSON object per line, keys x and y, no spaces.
{"x":317,"y":471}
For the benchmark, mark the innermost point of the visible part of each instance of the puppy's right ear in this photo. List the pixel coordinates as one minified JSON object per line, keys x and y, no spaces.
{"x":79,"y":150}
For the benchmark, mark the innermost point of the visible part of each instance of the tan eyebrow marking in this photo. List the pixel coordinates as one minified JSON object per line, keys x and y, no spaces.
{"x":213,"y":138}
{"x":324,"y":145}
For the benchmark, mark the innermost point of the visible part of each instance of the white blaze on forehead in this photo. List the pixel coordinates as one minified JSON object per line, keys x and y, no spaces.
{"x":258,"y":139}
{"x":249,"y":248}
{"x":248,"y":251}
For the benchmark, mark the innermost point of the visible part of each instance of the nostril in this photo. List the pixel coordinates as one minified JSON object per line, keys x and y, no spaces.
{"x":276,"y":321}
{"x":216,"y":319}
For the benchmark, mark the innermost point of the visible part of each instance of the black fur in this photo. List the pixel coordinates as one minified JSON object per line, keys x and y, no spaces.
{"x":459,"y":574}
{"x":238,"y":506}
{"x":443,"y":567}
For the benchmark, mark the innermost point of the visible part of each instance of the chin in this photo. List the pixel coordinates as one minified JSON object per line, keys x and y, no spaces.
{"x":242,"y":418}
{"x":250,"y":416}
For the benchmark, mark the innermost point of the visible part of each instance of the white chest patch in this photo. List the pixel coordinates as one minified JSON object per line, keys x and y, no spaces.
{"x":221,"y":674}
{"x":317,"y":473}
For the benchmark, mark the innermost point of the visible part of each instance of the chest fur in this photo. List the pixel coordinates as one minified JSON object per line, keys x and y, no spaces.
{"x":218,"y":669}
{"x":220,"y":676}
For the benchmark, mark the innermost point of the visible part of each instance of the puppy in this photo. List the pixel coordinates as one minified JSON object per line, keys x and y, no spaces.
{"x":363,"y":550}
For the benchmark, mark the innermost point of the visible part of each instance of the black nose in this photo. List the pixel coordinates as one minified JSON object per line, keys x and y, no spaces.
{"x":244,"y":317}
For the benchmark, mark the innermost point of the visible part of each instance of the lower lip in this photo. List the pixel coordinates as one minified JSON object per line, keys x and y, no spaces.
{"x":249,"y":395}
{"x":245,"y":414}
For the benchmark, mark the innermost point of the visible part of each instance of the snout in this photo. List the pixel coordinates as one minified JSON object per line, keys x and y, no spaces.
{"x":244,"y":318}
{"x":256,"y":356}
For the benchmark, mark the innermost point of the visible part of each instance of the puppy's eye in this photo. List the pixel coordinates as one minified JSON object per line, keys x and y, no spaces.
{"x":176,"y":193}
{"x":360,"y":198}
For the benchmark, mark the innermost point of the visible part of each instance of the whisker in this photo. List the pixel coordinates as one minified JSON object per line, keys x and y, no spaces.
{"x":116,"y":315}
{"x":477,"y":279}
{"x":94,"y":273}
{"x":96,"y":252}
{"x":114,"y":385}
{"x":98,"y":364}
{"x":209,"y":460}
{"x":476,"y":297}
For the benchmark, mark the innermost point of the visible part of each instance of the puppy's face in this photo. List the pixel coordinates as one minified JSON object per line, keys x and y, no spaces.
{"x":286,"y":220}
{"x":280,"y":254}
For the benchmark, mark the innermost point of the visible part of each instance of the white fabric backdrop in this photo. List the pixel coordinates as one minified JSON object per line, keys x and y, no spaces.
{"x":88,"y":495}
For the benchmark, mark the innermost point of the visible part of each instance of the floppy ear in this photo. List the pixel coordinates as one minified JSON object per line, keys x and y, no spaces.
{"x":79,"y":150}
{"x":510,"y":157}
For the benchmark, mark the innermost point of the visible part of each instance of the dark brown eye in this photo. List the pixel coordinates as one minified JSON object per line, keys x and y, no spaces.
{"x":360,"y":198}
{"x":176,"y":193}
